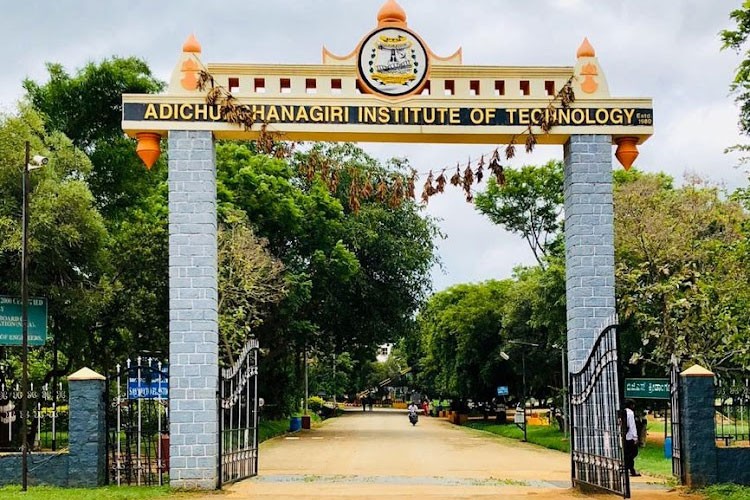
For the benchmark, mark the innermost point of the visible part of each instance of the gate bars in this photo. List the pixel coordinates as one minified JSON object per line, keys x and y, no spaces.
{"x":597,"y":458}
{"x":674,"y":417}
{"x":238,"y":417}
{"x":137,"y":422}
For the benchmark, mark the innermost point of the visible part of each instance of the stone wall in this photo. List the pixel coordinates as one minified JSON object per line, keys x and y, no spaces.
{"x":49,"y":469}
{"x":702,"y":461}
{"x":85,"y":462}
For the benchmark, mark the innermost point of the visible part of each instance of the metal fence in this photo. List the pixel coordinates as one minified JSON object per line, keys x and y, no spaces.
{"x":137,"y":422}
{"x":732,"y":416}
{"x":47,"y":417}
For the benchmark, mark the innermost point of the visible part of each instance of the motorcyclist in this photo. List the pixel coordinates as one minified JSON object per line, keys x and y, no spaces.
{"x":413,"y":415}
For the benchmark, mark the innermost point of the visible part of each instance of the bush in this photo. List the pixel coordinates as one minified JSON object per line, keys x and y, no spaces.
{"x":315,"y":403}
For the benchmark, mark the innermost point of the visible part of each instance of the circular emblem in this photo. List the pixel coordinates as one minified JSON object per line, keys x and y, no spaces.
{"x":393,"y":62}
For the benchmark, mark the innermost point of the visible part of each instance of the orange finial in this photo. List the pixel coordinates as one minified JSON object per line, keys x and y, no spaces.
{"x":191,"y":45}
{"x":148,"y":147}
{"x":586,"y":49}
{"x":391,"y":13}
{"x":627,"y":151}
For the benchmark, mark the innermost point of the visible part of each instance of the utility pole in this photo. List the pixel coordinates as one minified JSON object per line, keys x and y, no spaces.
{"x":25,"y":321}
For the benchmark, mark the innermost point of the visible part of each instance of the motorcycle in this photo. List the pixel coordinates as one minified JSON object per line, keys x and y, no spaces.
{"x":413,"y":417}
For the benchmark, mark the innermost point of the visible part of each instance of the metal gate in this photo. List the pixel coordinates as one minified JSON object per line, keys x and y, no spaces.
{"x":137,"y":423}
{"x":238,"y":419}
{"x":674,"y":417}
{"x":596,"y":432}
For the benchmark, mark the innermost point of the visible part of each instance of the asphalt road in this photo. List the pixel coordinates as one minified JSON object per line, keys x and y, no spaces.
{"x":379,"y":454}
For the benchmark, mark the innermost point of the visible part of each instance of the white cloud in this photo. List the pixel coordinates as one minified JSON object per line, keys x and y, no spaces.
{"x":668,"y":50}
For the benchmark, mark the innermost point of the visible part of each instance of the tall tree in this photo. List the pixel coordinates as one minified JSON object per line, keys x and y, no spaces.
{"x":681,"y":291}
{"x":67,"y":237}
{"x":530,"y":204}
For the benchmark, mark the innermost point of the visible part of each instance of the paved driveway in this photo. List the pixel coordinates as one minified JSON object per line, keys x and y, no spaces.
{"x":379,"y":454}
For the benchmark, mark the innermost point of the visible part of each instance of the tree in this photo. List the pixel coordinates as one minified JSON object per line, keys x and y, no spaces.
{"x":530,"y":204}
{"x":133,"y":202}
{"x":67,"y":241}
{"x":87,"y":108}
{"x":250,"y":281}
{"x":353,"y":280}
{"x":681,"y":291}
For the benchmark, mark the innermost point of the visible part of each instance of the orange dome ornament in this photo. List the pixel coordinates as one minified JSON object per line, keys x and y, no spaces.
{"x":148,"y":148}
{"x":391,"y":13}
{"x":627,"y":151}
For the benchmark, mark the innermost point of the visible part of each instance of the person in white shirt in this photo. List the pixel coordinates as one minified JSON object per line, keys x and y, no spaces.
{"x":631,"y":438}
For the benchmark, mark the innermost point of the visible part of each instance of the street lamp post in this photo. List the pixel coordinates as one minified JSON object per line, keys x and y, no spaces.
{"x":563,"y":355}
{"x":39,"y":161}
{"x":523,"y":375}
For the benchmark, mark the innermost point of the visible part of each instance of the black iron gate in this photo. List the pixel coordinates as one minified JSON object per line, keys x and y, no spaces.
{"x":596,"y":432}
{"x":238,"y":417}
{"x":674,"y":417}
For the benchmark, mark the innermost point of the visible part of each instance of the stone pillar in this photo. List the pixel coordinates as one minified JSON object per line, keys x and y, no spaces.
{"x":697,"y":427}
{"x":193,"y":311}
{"x":87,"y":430}
{"x":589,"y":241}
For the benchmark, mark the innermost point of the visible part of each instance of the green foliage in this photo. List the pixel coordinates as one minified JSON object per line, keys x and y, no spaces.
{"x":353,"y":280}
{"x":681,"y":291}
{"x":87,"y":108}
{"x":726,"y":492}
{"x":315,"y":403}
{"x":268,"y":428}
{"x":464,"y":329}
{"x":529,"y":204}
{"x":736,"y":39}
{"x":105,"y":493}
{"x":67,"y":235}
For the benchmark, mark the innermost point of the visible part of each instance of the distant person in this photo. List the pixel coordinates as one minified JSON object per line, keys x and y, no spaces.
{"x":370,"y":401}
{"x":364,"y":403}
{"x":631,"y":438}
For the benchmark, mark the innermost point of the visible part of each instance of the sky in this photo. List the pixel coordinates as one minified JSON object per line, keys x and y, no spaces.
{"x":668,"y":50}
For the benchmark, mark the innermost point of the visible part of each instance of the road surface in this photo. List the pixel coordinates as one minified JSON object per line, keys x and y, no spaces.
{"x":379,"y":454}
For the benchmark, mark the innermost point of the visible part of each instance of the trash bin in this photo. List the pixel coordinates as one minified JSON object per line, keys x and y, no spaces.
{"x":295,"y":424}
{"x":668,"y":447}
{"x":305,"y":421}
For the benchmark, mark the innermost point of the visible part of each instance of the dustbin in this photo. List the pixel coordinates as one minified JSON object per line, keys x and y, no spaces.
{"x":668,"y":447}
{"x":295,"y":424}
{"x":305,"y":421}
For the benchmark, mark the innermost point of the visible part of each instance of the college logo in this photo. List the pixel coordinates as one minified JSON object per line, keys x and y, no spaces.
{"x":393,"y":62}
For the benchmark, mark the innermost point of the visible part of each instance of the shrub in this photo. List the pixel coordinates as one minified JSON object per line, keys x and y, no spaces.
{"x":315,"y":403}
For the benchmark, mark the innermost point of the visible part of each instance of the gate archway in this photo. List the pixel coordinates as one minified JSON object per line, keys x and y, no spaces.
{"x":390,"y":88}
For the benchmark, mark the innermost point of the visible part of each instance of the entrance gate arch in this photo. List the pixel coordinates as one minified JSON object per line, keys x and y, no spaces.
{"x":391,"y":88}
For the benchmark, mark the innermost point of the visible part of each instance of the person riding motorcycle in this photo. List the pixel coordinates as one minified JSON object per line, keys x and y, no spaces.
{"x":413,"y":415}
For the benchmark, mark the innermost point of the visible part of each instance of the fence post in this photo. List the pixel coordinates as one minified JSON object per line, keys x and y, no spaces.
{"x":698,"y":431}
{"x":87,"y":429}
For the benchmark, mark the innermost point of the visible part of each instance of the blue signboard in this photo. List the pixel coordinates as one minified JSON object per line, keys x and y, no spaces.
{"x":502,"y":390}
{"x":152,"y":384}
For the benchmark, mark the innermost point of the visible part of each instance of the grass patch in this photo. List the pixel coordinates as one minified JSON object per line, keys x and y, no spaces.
{"x":650,"y":460}
{"x":268,"y":429}
{"x":726,"y":492}
{"x":105,"y":493}
{"x":546,"y":436}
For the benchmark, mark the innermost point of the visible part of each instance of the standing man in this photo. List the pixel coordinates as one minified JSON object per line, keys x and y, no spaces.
{"x":631,"y":438}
